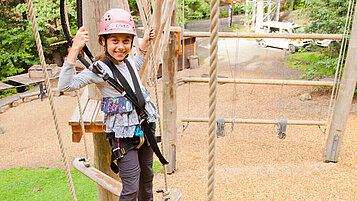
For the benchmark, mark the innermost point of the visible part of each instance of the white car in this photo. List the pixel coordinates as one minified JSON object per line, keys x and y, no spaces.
{"x":282,"y":27}
{"x":326,"y":42}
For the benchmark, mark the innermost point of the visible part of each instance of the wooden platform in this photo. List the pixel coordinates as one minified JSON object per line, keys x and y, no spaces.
{"x":4,"y":86}
{"x":92,"y":117}
{"x":26,"y":80}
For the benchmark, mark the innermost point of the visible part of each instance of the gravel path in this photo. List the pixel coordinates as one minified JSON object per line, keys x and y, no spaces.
{"x":252,"y":163}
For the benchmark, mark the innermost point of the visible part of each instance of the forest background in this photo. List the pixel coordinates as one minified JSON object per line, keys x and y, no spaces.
{"x":18,"y":48}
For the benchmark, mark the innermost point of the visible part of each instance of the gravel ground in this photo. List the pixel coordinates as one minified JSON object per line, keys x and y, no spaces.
{"x":252,"y":163}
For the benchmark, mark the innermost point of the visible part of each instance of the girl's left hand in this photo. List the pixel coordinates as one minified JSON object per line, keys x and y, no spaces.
{"x":149,"y":34}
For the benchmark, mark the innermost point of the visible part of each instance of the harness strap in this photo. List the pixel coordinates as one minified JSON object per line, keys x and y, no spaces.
{"x":119,"y":149}
{"x":148,"y":132}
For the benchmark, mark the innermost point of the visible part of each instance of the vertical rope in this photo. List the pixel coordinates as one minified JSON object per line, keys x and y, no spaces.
{"x":79,"y":22}
{"x":154,"y":69}
{"x":212,"y":97}
{"x":338,"y":72}
{"x":50,"y":95}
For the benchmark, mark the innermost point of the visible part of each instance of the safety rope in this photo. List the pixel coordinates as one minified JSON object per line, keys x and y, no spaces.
{"x":338,"y":72}
{"x":184,"y":127}
{"x":154,"y":69}
{"x":50,"y":95}
{"x":81,"y":121}
{"x":212,"y":97}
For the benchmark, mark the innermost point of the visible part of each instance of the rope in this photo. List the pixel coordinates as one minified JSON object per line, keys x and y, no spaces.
{"x":339,"y":64}
{"x":281,"y":96}
{"x":50,"y":96}
{"x":212,"y":96}
{"x":154,"y":69}
{"x":80,"y":23}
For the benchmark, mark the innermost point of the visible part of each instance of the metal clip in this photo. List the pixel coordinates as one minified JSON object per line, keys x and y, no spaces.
{"x":220,"y":127}
{"x":282,"y":123}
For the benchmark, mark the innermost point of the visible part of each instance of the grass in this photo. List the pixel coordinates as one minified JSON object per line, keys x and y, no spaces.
{"x":46,"y":184}
{"x":315,"y":64}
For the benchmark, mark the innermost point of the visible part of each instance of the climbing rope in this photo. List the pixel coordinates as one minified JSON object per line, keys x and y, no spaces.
{"x":81,"y":121}
{"x":50,"y":95}
{"x":212,"y":97}
{"x":146,"y":6}
{"x":338,"y":72}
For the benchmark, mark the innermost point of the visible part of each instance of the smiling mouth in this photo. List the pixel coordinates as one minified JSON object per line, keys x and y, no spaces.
{"x":120,"y":53}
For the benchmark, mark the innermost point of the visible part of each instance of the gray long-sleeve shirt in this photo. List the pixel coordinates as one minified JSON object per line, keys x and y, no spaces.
{"x":122,"y":124}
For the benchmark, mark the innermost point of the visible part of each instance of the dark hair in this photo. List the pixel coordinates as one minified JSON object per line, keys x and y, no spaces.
{"x":102,"y":54}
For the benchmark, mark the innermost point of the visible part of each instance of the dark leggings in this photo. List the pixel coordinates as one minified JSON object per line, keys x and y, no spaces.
{"x":136,"y":173}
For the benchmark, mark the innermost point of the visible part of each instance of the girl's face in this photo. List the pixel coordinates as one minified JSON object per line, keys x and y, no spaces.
{"x":118,"y":46}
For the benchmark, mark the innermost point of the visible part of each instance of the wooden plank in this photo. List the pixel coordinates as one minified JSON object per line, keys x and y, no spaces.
{"x":262,"y":81}
{"x":11,"y":100}
{"x":257,"y":121}
{"x":83,"y":102}
{"x":98,"y":177}
{"x":173,"y":195}
{"x":96,"y":111}
{"x":89,"y":111}
{"x":26,"y":80}
{"x":32,"y":92}
{"x":4,"y":86}
{"x":93,"y":128}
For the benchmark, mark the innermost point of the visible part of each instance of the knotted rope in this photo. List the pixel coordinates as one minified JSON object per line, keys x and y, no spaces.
{"x":212,"y":97}
{"x":50,"y":95}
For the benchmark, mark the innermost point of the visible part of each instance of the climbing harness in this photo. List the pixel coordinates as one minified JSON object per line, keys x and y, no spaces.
{"x":138,"y":100}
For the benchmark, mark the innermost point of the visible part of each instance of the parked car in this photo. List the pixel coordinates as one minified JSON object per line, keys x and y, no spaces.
{"x":326,"y":42}
{"x":282,"y":27}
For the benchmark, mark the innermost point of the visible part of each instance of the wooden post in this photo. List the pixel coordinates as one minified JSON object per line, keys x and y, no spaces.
{"x":93,"y":10}
{"x":169,"y":104}
{"x":102,"y":163}
{"x":343,"y":101}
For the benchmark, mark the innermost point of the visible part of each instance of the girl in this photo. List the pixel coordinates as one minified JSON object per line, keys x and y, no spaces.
{"x":116,"y":34}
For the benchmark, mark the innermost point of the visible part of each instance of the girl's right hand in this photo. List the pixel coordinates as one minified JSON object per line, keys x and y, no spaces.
{"x":80,"y":39}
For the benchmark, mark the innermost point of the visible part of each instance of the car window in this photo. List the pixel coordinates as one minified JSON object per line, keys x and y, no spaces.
{"x":285,"y":31}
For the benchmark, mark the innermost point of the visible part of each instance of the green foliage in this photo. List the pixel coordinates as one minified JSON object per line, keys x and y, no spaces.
{"x":315,"y":65}
{"x":194,"y":10}
{"x":239,"y":8}
{"x":8,"y":92}
{"x":326,"y":16}
{"x":18,"y":49}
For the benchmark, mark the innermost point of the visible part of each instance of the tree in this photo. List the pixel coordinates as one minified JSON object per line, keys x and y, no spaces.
{"x":18,"y":47}
{"x":327,"y":16}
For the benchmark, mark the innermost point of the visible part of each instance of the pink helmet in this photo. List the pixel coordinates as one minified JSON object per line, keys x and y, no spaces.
{"x":116,"y":20}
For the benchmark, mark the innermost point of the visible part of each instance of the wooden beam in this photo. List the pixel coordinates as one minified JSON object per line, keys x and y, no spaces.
{"x":169,"y":106}
{"x":343,"y":101}
{"x":93,"y":10}
{"x":107,"y":182}
{"x":257,"y":121}
{"x":260,"y":81}
{"x":265,"y":35}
